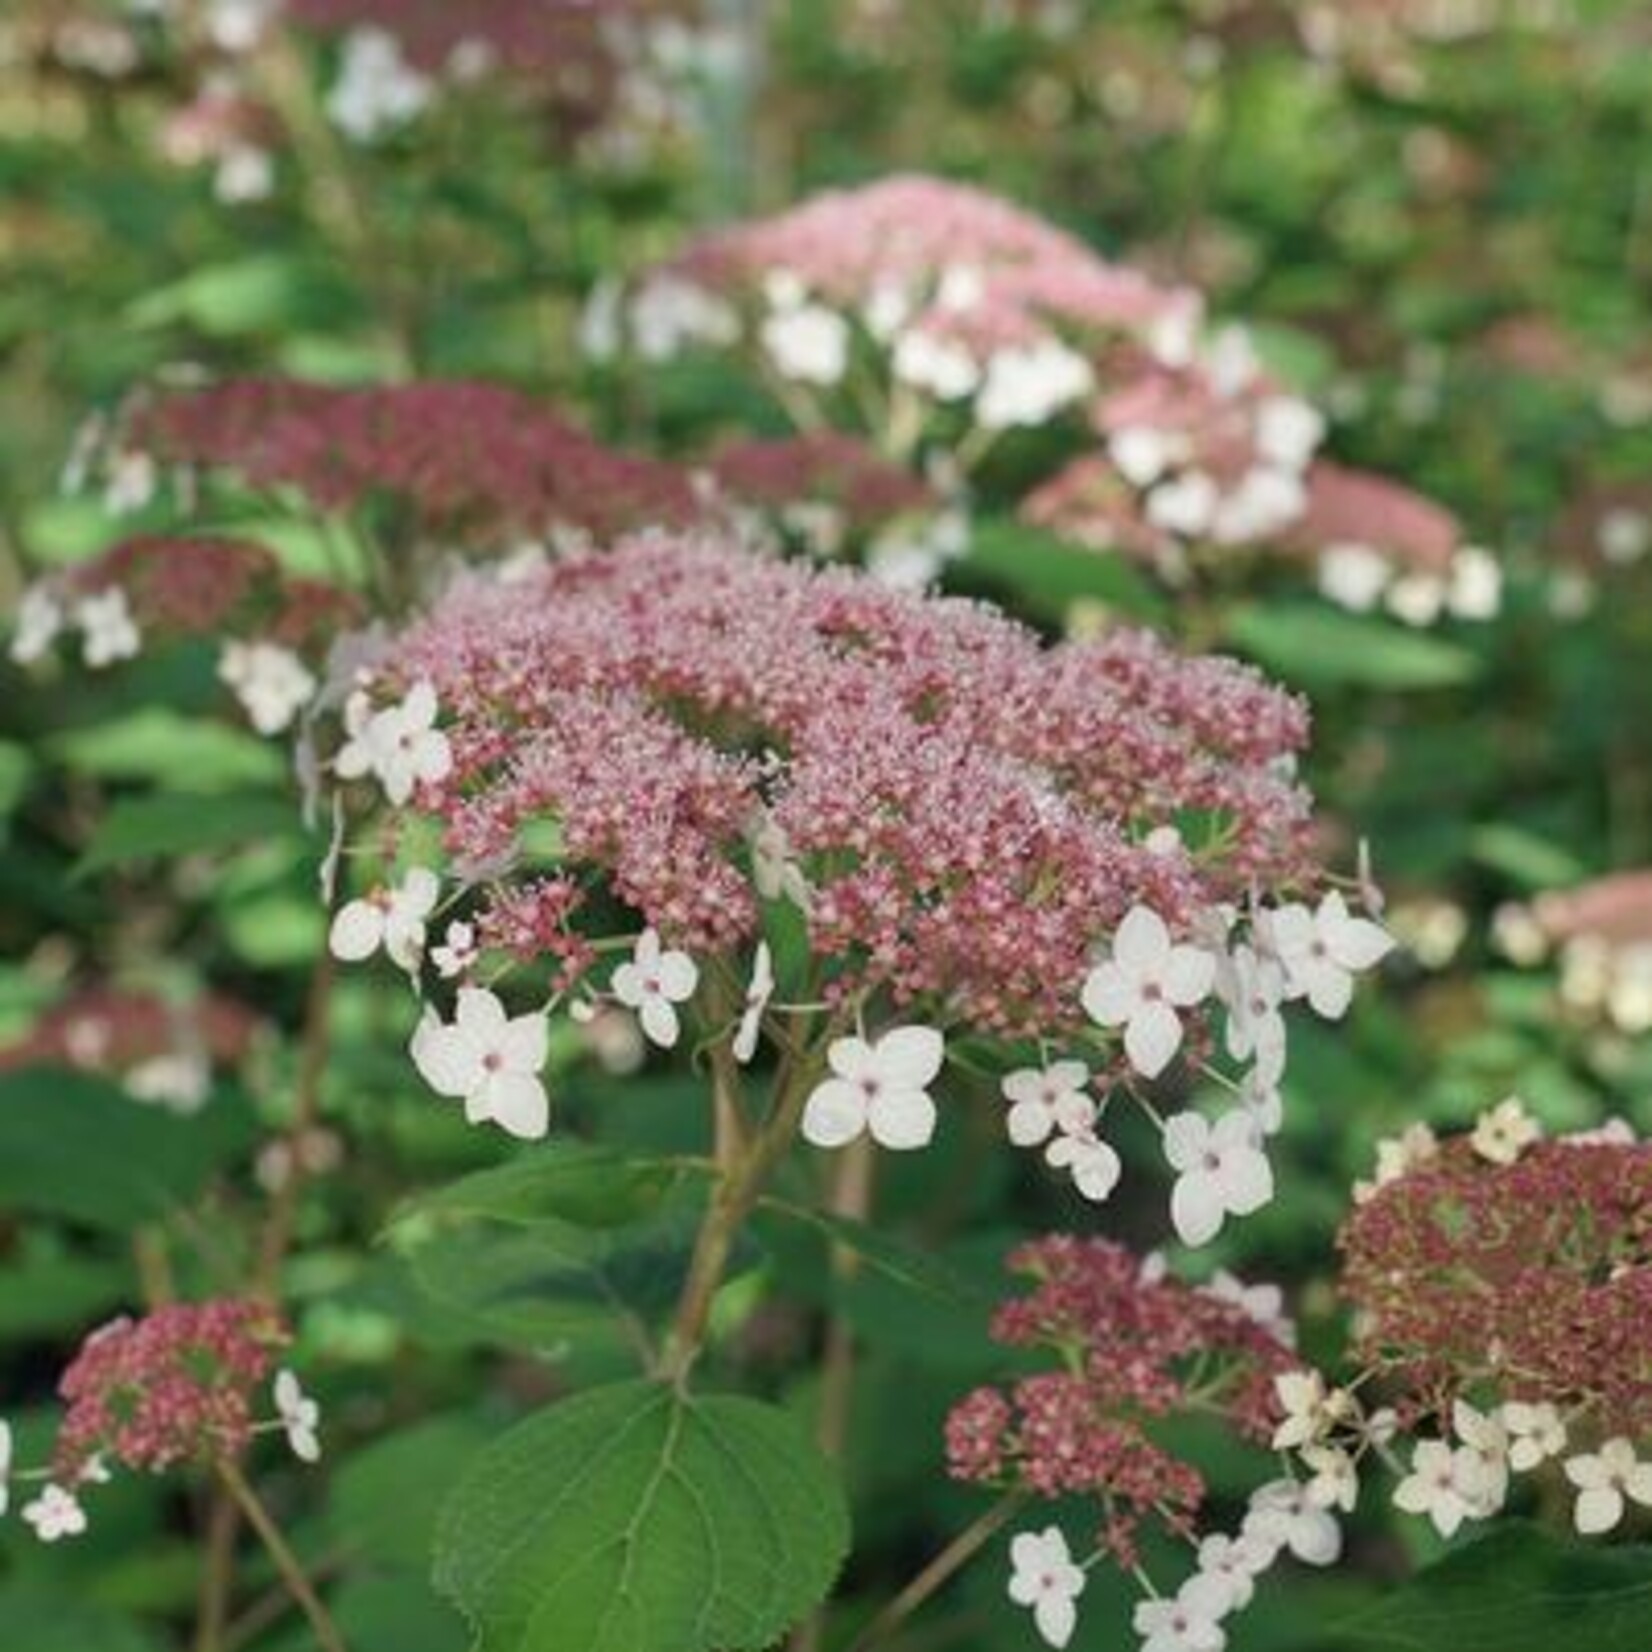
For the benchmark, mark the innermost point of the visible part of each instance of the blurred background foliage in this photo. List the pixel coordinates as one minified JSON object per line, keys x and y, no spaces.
{"x":1436,"y":215}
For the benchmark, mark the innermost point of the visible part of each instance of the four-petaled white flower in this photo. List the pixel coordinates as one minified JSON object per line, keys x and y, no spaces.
{"x":758,"y":993}
{"x":487,"y":1060}
{"x":1046,"y":1579}
{"x":299,"y":1416}
{"x":1311,"y":1412}
{"x":1223,"y":1172}
{"x":1324,"y":949}
{"x":40,"y":617}
{"x":1488,"y":1438}
{"x":400,"y":745}
{"x":1046,"y":1099}
{"x":773,"y":870}
{"x":1190,"y":1621}
{"x":1095,"y":1166}
{"x":1281,"y":1513}
{"x":393,"y":918}
{"x":1536,"y":1433}
{"x":272,"y":683}
{"x":653,"y":983}
{"x":1603,"y":1480}
{"x":457,"y":951}
{"x":1333,"y":1480}
{"x":1265,"y":1304}
{"x":55,"y":1513}
{"x":1142,"y":986}
{"x":1252,"y":985}
{"x":881,"y":1087}
{"x":1446,"y":1485}
{"x":1502,"y":1133}
{"x":108,"y":631}
{"x":1234,"y":1563}
{"x":809,"y":344}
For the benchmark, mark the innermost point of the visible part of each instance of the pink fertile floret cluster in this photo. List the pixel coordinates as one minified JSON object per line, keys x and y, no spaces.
{"x":967,"y":806}
{"x":459,"y":458}
{"x":174,"y":1386}
{"x":1125,"y":1342}
{"x":1534,"y":1278}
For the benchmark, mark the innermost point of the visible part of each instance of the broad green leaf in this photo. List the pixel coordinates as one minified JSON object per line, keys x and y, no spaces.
{"x":916,"y":1270}
{"x":48,"y":1295}
{"x":263,"y":292}
{"x":1320,"y":646}
{"x":168,"y":824}
{"x":562,"y":1181}
{"x":43,"y":1619}
{"x":1048,"y":574}
{"x":637,"y":1518}
{"x":1517,"y":1589}
{"x":186,"y":754}
{"x":1535,"y":861}
{"x":75,"y":1145}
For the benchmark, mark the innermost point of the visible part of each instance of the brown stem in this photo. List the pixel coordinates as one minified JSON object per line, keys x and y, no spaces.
{"x":312,"y":1064}
{"x":286,"y":1562}
{"x":223,"y":1520}
{"x":954,"y":1556}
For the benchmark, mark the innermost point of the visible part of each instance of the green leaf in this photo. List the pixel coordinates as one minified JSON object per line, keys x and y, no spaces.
{"x":169,"y":824}
{"x":1516,"y":1590}
{"x":187,"y":754}
{"x":50,"y":1620}
{"x":75,"y":1145}
{"x":914,"y":1269}
{"x":1320,"y":646}
{"x":1529,"y":858}
{"x":637,"y":1518}
{"x":262,"y":293}
{"x":1047,"y":574}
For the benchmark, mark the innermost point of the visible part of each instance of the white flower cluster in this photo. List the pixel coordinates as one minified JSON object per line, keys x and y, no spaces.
{"x":377,"y":89}
{"x":1361,"y":578}
{"x":107,"y":630}
{"x":1282,"y":1519}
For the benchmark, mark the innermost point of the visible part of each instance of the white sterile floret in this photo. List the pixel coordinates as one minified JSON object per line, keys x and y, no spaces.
{"x":1186,"y":505}
{"x":1603,"y":1480}
{"x":1502,"y":1133}
{"x":1416,"y":599}
{"x":1094,"y":1165}
{"x":271,"y":682}
{"x":1476,"y":588}
{"x":1252,"y":986}
{"x":1264,"y":501}
{"x":1446,"y":1485}
{"x":1288,"y":430}
{"x":1222,"y":1172}
{"x":487,"y":1060}
{"x":939,"y":366}
{"x":180,"y":1080}
{"x":1143,"y":985}
{"x":653,"y":983}
{"x":1536,"y":1433}
{"x":299,"y":1416}
{"x":1282,"y":1514}
{"x":40,"y":618}
{"x":1311,"y":1411}
{"x":1333,"y":1481}
{"x":1265,"y":1304}
{"x":1046,"y":1580}
{"x":399,"y":746}
{"x":773,"y":869}
{"x":388,"y":917}
{"x":669,"y":313}
{"x":1323,"y":950}
{"x":1141,"y":454}
{"x":377,"y":89}
{"x":1189,"y":1621}
{"x":1233,"y":1564}
{"x":758,"y":993}
{"x":1486,"y":1436}
{"x":457,"y":952}
{"x":1028,"y":385}
{"x":1353,"y":576}
{"x":55,"y":1514}
{"x":881,"y":1086}
{"x":131,"y":482}
{"x":809,"y":344}
{"x":108,"y":631}
{"x":1046,"y":1099}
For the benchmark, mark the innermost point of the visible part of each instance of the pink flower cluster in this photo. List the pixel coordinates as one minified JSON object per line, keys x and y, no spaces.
{"x":113,"y":1030}
{"x":1125,"y":1341}
{"x":822,"y":471}
{"x":467,"y":459}
{"x":209,"y":586}
{"x":894,"y":242}
{"x":966,"y":807}
{"x":1529,"y":1277}
{"x":174,"y":1386}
